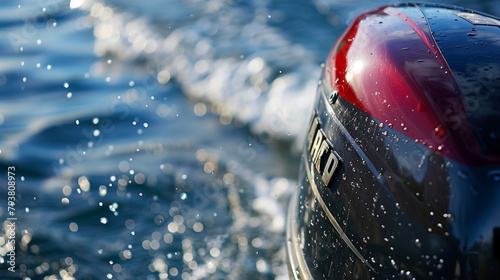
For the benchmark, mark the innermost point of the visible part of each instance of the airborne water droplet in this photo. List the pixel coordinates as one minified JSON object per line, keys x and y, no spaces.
{"x":417,"y":242}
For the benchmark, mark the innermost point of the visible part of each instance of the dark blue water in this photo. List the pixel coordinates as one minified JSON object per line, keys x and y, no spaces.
{"x":157,"y":139}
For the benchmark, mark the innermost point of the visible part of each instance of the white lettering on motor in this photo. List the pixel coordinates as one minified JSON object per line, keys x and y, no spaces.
{"x":321,"y":152}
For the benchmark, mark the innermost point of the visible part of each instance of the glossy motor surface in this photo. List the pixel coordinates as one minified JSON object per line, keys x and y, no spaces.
{"x":400,"y":176}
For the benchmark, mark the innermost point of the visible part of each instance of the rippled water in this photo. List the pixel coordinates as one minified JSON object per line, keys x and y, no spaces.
{"x":157,"y":139}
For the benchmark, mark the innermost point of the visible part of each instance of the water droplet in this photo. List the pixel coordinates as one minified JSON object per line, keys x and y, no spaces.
{"x":381,"y":125}
{"x":104,"y":220}
{"x":417,"y":242}
{"x":113,"y":207}
{"x":440,"y":130}
{"x":183,"y":196}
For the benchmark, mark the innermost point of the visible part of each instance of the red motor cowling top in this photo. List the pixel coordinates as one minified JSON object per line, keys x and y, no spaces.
{"x":433,"y":73}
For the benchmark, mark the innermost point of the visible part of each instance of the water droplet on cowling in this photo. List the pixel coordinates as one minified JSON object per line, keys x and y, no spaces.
{"x":440,"y":130}
{"x":420,"y":107}
{"x":381,"y":125}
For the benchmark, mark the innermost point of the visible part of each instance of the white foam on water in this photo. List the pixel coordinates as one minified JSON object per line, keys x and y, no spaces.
{"x":224,"y":56}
